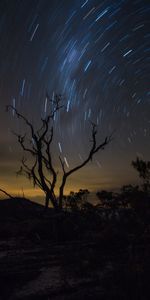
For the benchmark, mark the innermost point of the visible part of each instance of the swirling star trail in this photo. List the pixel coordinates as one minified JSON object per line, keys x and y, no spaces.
{"x":94,"y":53}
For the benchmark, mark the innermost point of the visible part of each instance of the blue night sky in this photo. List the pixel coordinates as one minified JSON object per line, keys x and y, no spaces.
{"x":96,"y":54}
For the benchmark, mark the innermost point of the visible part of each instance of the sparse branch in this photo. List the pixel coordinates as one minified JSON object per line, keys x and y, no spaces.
{"x":21,"y":141}
{"x":7,"y":194}
{"x":30,"y":172}
{"x":48,"y":152}
{"x":20,"y":116}
{"x":62,"y":164}
{"x":48,"y":181}
{"x":57,"y":104}
{"x":45,"y":127}
{"x":93,"y":150}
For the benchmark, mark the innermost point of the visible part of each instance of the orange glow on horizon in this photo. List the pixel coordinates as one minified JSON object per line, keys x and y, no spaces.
{"x":91,"y":179}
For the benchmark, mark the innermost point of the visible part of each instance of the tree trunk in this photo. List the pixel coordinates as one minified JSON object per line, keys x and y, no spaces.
{"x":46,"y":201}
{"x":61,"y":192}
{"x":50,"y":198}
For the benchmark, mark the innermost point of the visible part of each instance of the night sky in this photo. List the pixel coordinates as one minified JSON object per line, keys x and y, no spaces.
{"x":94,"y":53}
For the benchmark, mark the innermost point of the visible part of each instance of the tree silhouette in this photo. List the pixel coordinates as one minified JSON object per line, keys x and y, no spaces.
{"x":105,"y":197}
{"x":42,"y":172}
{"x":143,"y":168}
{"x":127,"y":195}
{"x":76,"y":200}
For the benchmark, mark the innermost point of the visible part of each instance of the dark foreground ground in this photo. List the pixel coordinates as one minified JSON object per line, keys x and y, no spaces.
{"x":88,"y":255}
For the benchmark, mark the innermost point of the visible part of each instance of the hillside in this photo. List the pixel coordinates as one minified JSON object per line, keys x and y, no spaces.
{"x":19,"y":208}
{"x":71,"y":255}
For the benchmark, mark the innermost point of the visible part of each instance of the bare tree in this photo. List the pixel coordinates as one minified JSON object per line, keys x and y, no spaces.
{"x":42,"y":172}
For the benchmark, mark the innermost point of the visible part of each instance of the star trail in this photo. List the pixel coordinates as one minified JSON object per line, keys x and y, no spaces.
{"x":96,"y":54}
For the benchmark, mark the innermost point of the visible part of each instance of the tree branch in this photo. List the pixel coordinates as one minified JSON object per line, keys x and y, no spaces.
{"x":20,"y":116}
{"x":93,"y":150}
{"x":7,"y":194}
{"x":62,"y":164}
{"x":21,"y":140}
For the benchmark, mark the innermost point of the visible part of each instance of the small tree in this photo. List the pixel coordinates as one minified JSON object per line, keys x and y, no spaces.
{"x":128,"y":195}
{"x":143,"y":168}
{"x":76,"y":200}
{"x":105,"y":197}
{"x":42,"y":172}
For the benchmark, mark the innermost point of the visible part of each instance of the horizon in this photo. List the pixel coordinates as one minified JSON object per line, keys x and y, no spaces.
{"x":95,"y":54}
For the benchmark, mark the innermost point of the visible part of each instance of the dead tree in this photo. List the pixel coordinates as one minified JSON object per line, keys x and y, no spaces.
{"x":42,"y":172}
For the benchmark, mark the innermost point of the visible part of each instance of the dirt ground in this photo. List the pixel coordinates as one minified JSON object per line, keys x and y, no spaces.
{"x":75,"y":257}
